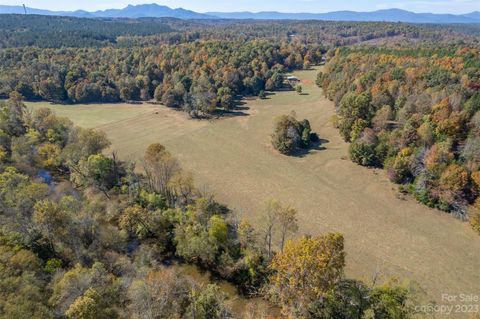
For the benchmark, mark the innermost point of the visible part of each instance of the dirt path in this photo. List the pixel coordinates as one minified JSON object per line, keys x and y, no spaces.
{"x":234,"y":158}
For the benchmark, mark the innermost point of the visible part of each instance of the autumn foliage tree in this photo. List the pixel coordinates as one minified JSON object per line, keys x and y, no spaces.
{"x":307,"y":269}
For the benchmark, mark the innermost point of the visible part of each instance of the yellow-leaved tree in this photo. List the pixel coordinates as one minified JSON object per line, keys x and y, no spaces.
{"x":307,"y":269}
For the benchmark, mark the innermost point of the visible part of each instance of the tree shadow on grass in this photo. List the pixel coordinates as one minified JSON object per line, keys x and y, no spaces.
{"x":234,"y":113}
{"x":238,"y":110}
{"x":241,"y":108}
{"x":239,"y":103}
{"x":268,"y":95}
{"x":313,"y":148}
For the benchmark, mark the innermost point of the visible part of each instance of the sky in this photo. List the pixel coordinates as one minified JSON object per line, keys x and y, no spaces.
{"x":313,"y":6}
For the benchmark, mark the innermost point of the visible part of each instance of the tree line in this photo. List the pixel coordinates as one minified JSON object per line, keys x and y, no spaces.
{"x":198,"y":77}
{"x":416,"y":113}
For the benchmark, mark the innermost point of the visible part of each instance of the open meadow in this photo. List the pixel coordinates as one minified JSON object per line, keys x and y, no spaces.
{"x":234,"y":158}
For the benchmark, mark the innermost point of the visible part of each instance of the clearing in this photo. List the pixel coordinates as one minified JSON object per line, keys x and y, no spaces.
{"x":234,"y":158}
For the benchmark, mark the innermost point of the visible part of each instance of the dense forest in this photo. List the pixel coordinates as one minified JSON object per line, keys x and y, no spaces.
{"x":85,"y":236}
{"x":57,"y":32}
{"x":201,"y":68}
{"x":199,"y":77}
{"x":415,"y":112}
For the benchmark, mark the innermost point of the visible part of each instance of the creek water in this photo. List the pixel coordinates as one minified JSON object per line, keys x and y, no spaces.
{"x":241,"y":306}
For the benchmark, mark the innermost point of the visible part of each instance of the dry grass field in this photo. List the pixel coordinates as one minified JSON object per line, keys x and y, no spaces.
{"x":234,"y":158}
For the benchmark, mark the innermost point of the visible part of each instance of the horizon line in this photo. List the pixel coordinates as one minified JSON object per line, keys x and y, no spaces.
{"x":247,"y":11}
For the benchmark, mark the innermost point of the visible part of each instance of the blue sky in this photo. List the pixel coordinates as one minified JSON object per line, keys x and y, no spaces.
{"x":436,"y":6}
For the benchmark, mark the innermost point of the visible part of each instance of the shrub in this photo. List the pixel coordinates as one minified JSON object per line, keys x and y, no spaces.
{"x":299,"y":89}
{"x":363,"y":153}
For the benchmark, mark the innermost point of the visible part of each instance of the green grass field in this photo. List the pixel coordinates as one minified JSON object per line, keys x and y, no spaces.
{"x":234,"y":158}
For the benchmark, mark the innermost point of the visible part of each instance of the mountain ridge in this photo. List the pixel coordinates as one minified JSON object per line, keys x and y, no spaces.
{"x":154,"y":10}
{"x":387,"y":15}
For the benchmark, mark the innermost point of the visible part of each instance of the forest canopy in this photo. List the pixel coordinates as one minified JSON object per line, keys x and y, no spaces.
{"x":58,"y":32}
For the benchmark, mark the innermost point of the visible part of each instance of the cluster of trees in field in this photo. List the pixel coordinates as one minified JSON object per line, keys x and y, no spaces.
{"x":415,"y":112}
{"x":291,"y":136}
{"x":83,"y":235}
{"x":198,"y":77}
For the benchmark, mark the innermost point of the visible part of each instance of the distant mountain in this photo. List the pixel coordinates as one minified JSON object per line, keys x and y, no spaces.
{"x":19,"y":10}
{"x":151,"y":10}
{"x":390,"y":15}
{"x":473,"y":15}
{"x":158,"y":11}
{"x":139,"y":11}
